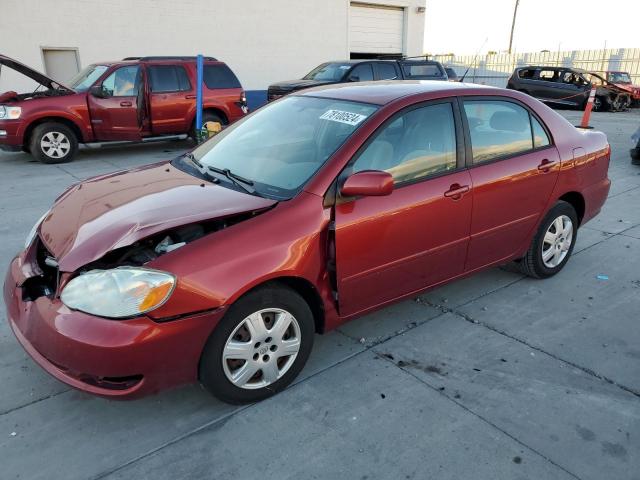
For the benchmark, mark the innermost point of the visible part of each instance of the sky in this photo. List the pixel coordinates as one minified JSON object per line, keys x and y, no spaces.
{"x":461,"y":26}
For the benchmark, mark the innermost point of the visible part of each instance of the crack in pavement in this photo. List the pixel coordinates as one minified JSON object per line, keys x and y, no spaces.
{"x":33,"y":402}
{"x":477,"y":415}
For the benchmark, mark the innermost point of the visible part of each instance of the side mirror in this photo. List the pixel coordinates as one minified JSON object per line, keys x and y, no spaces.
{"x":369,"y":183}
{"x":99,"y":92}
{"x":354,"y":78}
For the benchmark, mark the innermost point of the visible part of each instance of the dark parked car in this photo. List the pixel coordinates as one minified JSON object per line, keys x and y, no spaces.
{"x":135,"y":99}
{"x":221,"y":265}
{"x":360,"y":71}
{"x":568,"y":87}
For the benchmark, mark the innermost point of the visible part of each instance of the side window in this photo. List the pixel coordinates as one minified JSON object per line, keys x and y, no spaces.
{"x":361,"y":73}
{"x":497,"y":129}
{"x":168,"y":78}
{"x":416,"y":144}
{"x":526,"y":73}
{"x":540,"y":137}
{"x":219,"y":76}
{"x":386,"y":71}
{"x":549,"y":75}
{"x":123,"y":82}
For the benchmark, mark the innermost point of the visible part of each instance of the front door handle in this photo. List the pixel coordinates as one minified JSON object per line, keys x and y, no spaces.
{"x":545,"y":165}
{"x":456,"y":191}
{"x":126,"y":104}
{"x":189,"y":97}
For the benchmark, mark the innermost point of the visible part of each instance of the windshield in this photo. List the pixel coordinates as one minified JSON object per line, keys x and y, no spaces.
{"x":86,"y":77}
{"x":328,"y":71}
{"x":280,"y":146}
{"x":619,"y":77}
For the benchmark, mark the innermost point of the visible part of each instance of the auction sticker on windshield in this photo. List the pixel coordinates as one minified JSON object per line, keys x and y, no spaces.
{"x":343,"y":117}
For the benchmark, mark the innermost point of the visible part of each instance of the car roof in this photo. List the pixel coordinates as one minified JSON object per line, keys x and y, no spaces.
{"x":383,"y":92}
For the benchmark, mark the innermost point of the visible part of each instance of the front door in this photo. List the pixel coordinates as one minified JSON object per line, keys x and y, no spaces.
{"x":117,"y":116}
{"x":172,"y":98}
{"x":514,"y":169}
{"x":387,"y":247}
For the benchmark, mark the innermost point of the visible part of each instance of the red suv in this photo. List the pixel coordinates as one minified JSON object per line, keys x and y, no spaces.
{"x":136,"y":99}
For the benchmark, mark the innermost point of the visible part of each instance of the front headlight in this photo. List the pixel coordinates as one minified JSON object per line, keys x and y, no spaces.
{"x":118,"y":293}
{"x":32,"y":233}
{"x":10,"y":113}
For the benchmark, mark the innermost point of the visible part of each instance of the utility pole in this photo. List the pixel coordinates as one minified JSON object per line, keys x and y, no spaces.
{"x":513,"y":24}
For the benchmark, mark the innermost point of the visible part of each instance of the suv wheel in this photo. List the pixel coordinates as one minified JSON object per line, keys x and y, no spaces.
{"x":259,"y":347}
{"x":53,"y":142}
{"x":206,"y":117}
{"x":553,"y":243}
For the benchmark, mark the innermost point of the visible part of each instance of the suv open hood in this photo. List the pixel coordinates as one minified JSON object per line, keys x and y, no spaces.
{"x":31,"y":73}
{"x":116,"y":210}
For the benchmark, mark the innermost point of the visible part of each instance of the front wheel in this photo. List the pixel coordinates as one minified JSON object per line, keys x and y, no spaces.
{"x":553,"y":243}
{"x":53,"y":142}
{"x":259,"y":347}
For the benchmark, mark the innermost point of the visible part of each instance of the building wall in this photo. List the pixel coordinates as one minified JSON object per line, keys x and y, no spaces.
{"x":262,"y":40}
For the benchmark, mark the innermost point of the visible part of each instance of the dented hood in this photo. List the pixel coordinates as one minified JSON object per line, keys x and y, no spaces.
{"x":31,"y":73}
{"x":116,"y":210}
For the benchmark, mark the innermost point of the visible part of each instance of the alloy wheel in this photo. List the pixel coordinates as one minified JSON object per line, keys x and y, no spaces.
{"x":557,"y":241}
{"x":261,"y":349}
{"x":55,"y":144}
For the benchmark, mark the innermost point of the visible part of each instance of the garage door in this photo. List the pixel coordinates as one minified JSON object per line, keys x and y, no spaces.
{"x":375,"y":29}
{"x":61,"y":64}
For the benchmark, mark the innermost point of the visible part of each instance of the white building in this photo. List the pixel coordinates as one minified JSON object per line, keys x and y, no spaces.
{"x":262,"y":41}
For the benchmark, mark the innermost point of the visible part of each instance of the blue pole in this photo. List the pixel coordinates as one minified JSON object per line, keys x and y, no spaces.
{"x":199,"y":66}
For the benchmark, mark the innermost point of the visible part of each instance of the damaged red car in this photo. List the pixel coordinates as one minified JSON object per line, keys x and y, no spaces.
{"x":221,"y":265}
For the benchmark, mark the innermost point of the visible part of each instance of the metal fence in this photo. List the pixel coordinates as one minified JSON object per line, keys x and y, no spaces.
{"x":496,"y":69}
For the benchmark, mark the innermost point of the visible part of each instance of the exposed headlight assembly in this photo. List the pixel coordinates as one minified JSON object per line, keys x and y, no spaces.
{"x":121,"y":292}
{"x":10,"y":113}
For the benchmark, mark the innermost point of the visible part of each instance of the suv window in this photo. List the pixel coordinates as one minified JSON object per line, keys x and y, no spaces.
{"x":361,"y":73}
{"x":386,"y":71}
{"x":501,"y":129}
{"x":421,"y":70}
{"x":168,"y":78}
{"x":416,"y":144}
{"x":549,"y":75}
{"x":123,"y":82}
{"x":219,"y":76}
{"x":527,"y":73}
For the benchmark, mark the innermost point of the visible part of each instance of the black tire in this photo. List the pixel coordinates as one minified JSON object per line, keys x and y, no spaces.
{"x":600,"y":104}
{"x":68,"y":143}
{"x":211,"y":371}
{"x":635,"y":156}
{"x":532,"y":264}
{"x":206,"y":117}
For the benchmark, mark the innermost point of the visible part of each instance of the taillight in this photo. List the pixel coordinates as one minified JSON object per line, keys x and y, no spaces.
{"x":243,"y":102}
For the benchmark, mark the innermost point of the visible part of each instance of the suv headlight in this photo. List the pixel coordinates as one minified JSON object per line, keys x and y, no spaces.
{"x":118,"y":293}
{"x":10,"y":113}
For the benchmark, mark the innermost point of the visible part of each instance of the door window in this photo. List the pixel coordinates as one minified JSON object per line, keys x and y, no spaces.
{"x":549,"y":75}
{"x":386,"y":71}
{"x":500,"y":129}
{"x":168,"y":78}
{"x":361,"y":73}
{"x":414,"y":145}
{"x":123,"y":82}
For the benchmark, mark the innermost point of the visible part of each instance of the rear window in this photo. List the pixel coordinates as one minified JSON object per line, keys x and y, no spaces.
{"x":168,"y":78}
{"x":219,"y":76}
{"x":421,"y":70}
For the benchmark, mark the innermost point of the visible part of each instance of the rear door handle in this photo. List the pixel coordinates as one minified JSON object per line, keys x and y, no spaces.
{"x":545,"y":165}
{"x":126,"y":104}
{"x":189,"y":97}
{"x":456,"y":191}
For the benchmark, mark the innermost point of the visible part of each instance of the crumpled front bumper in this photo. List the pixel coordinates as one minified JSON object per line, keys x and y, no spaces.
{"x":115,"y":359}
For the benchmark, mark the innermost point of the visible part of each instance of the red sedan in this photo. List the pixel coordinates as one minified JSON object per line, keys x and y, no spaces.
{"x":221,"y":265}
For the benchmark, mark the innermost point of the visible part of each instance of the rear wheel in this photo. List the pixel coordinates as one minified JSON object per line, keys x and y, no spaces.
{"x":259,"y":347}
{"x":53,"y":142}
{"x":206,"y":117}
{"x":553,"y":243}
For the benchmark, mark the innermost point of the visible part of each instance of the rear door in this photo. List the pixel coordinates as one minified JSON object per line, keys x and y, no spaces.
{"x":171,"y":98}
{"x":514,"y":167}
{"x":116,"y":116}
{"x":391,"y":246}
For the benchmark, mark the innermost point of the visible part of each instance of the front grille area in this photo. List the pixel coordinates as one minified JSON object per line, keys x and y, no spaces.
{"x":45,"y":284}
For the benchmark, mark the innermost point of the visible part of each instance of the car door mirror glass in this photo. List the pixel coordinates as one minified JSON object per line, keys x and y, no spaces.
{"x":354,"y":78}
{"x":369,"y":183}
{"x":99,"y":91}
